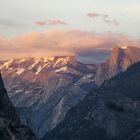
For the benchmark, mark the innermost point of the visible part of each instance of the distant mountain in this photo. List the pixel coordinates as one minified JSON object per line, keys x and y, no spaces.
{"x":10,"y":126}
{"x":111,"y":112}
{"x":44,"y":89}
{"x":120,"y":59}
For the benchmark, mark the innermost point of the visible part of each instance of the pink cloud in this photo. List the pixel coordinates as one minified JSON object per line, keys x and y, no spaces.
{"x":56,"y":22}
{"x":50,"y":23}
{"x":105,"y":17}
{"x":40,"y":23}
{"x":63,"y":42}
{"x":93,"y":15}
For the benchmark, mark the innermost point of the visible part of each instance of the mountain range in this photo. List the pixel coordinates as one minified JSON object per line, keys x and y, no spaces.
{"x":110,"y":112}
{"x":43,"y":90}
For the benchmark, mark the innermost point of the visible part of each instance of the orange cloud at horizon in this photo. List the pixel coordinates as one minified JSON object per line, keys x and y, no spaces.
{"x":62,"y":42}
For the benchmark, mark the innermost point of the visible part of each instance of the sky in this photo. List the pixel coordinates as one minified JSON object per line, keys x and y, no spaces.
{"x":83,"y":20}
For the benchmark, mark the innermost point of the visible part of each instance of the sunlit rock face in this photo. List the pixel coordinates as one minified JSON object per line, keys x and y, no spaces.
{"x":44,"y":89}
{"x":10,"y":126}
{"x":120,"y":59}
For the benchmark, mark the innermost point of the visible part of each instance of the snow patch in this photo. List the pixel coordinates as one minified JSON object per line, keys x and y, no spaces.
{"x":31,"y":67}
{"x":21,"y":60}
{"x":48,"y":59}
{"x":17,"y":91}
{"x":39,"y":70}
{"x":26,"y":92}
{"x":20,"y":70}
{"x":6,"y":64}
{"x":68,"y":70}
{"x":65,"y":60}
{"x":124,"y":47}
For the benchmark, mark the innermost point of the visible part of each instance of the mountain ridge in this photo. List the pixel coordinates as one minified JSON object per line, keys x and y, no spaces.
{"x":110,"y":112}
{"x":46,"y":87}
{"x":55,"y":84}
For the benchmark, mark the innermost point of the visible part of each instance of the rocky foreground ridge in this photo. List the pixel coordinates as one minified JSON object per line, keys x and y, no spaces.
{"x":10,"y":125}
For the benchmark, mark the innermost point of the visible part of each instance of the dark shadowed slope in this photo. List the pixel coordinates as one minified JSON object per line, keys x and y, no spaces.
{"x":6,"y":108}
{"x":110,"y":113}
{"x":10,"y":126}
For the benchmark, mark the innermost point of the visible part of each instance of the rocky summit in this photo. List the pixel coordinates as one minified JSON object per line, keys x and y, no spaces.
{"x":120,"y":59}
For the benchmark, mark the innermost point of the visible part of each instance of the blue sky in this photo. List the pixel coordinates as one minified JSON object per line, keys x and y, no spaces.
{"x":19,"y":16}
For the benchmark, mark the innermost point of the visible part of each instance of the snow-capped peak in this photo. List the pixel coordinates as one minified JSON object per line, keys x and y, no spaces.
{"x":6,"y":64}
{"x":124,"y":47}
{"x":36,"y":65}
{"x":68,"y":70}
{"x":65,"y":60}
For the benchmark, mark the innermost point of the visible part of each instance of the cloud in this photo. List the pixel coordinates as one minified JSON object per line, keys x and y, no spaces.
{"x":56,"y":22}
{"x":50,"y":23}
{"x":122,"y":14}
{"x":105,"y":18}
{"x":115,"y":22}
{"x":86,"y":45}
{"x":93,"y":15}
{"x":40,"y":23}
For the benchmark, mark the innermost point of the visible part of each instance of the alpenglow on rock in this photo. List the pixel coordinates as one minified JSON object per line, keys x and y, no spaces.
{"x":44,"y":89}
{"x":10,"y":126}
{"x":120,"y":59}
